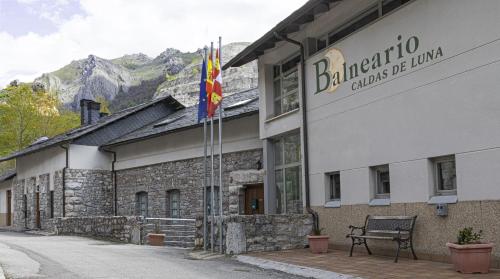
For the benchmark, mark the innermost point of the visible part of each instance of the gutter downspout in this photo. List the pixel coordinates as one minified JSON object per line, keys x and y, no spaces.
{"x":304,"y":126}
{"x":66,"y":148}
{"x":113,"y":173}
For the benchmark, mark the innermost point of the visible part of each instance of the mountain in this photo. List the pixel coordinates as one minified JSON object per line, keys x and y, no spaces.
{"x":136,"y":78}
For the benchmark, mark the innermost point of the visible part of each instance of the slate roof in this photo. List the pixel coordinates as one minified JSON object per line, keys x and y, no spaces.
{"x":7,"y":175}
{"x":79,"y":132}
{"x":237,"y":105}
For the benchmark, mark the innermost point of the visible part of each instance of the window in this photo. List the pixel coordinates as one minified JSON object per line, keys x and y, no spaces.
{"x":141,"y":202}
{"x":333,"y":180}
{"x":445,"y":177}
{"x":286,"y":86}
{"x":287,"y":174}
{"x":174,"y":203}
{"x":382,"y":181}
{"x":209,"y":200}
{"x":359,"y":21}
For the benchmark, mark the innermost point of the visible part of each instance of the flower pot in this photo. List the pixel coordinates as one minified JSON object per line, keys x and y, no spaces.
{"x":471,"y":258}
{"x":318,"y":243}
{"x":156,"y":239}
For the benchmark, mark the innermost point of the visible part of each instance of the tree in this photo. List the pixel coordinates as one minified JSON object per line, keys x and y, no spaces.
{"x":26,"y":116}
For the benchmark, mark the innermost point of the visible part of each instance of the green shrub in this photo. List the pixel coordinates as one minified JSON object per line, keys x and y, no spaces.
{"x":468,"y":236}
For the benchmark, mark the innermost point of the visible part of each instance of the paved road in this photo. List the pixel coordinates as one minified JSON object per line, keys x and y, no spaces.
{"x":29,"y":256}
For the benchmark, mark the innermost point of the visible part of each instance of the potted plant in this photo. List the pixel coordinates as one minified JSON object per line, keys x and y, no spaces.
{"x":318,"y":243}
{"x":157,"y":237}
{"x":469,"y":254}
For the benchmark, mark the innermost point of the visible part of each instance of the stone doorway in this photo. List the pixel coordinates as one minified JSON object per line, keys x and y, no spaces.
{"x":9,"y":207}
{"x":254,"y":199}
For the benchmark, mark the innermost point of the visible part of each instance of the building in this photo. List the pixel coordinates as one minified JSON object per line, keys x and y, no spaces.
{"x":6,"y":208}
{"x":385,"y":108}
{"x":67,"y":175}
{"x":142,"y":161}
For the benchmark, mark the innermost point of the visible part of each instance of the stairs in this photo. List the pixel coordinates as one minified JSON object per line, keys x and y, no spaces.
{"x":178,"y":232}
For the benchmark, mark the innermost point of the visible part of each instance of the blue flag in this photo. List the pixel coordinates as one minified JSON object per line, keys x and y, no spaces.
{"x":202,"y":105}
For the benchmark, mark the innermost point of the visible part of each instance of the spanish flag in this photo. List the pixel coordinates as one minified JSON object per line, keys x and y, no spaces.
{"x":215,"y":96}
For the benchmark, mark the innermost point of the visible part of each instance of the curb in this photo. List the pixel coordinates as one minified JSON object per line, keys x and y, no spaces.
{"x":307,"y":272}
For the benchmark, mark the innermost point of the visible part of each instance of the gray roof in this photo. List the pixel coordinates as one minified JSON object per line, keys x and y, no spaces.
{"x":237,"y":105}
{"x":291,"y":24}
{"x":112,"y":131}
{"x":8,"y":174}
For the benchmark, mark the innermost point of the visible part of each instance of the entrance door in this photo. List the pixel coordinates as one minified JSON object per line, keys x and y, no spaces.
{"x":37,"y":210}
{"x":9,"y":208}
{"x":254,"y":199}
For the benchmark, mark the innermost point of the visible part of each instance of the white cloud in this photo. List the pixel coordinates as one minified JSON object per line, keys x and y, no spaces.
{"x":113,"y":28}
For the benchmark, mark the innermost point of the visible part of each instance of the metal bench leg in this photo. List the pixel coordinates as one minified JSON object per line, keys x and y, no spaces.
{"x":366,"y":246}
{"x":413,"y":251}
{"x":397,"y":253}
{"x":352,"y":247}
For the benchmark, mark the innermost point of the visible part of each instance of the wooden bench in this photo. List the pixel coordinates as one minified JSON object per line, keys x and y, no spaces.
{"x":395,"y":228}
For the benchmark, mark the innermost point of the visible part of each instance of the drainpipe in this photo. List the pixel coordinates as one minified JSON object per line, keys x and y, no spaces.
{"x":66,"y":148}
{"x":304,"y":126}
{"x":113,"y":173}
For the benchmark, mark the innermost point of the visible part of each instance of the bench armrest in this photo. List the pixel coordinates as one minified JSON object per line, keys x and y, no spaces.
{"x":354,"y":229}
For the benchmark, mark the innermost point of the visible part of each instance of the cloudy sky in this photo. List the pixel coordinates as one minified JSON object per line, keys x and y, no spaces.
{"x":38,"y":36}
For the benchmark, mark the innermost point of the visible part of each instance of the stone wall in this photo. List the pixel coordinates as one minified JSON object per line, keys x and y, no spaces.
{"x":88,"y":193}
{"x":18,"y":204}
{"x":114,"y":228}
{"x":431,"y":231}
{"x":248,"y":233}
{"x":185,"y":176}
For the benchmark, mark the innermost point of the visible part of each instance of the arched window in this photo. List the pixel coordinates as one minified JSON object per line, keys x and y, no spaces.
{"x":174,"y":200}
{"x":141,"y":204}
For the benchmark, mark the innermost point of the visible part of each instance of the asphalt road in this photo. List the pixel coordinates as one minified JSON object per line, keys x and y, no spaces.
{"x":30,"y":256}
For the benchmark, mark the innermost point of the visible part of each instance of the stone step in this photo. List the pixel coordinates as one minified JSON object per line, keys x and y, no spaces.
{"x":183,"y":244}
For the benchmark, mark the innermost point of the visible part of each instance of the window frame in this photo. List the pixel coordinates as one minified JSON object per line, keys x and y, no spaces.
{"x":138,"y":196}
{"x":436,"y":179}
{"x":174,"y":193}
{"x":376,"y":171}
{"x":279,"y":78}
{"x":383,"y":8}
{"x":330,"y":187}
{"x":284,"y":166}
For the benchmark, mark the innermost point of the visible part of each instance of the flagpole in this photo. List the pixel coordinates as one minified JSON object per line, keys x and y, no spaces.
{"x":205,"y":173}
{"x":220,"y":157}
{"x":212,"y":187}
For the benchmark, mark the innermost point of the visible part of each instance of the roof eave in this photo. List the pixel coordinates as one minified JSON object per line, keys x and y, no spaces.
{"x":291,"y":24}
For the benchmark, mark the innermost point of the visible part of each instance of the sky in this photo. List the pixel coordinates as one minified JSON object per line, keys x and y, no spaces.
{"x":40,"y":36}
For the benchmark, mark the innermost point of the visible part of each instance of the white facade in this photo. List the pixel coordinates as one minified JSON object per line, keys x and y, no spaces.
{"x":239,"y":135}
{"x":446,"y":105}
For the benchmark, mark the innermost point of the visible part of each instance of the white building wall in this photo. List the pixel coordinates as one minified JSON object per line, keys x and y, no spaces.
{"x":238,"y":135}
{"x":447,"y":106}
{"x":4,"y":186}
{"x":89,"y":157}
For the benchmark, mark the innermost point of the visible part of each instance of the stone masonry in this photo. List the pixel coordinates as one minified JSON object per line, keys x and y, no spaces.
{"x":238,"y":181}
{"x":185,"y":176}
{"x":88,"y":193}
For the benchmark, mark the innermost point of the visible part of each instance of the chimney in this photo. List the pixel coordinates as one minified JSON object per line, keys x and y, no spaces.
{"x":89,"y":112}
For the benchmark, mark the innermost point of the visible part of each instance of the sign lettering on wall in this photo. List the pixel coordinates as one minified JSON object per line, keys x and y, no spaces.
{"x":333,"y":70}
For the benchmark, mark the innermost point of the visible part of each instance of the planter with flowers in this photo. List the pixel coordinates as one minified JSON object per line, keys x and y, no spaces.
{"x":318,"y":243}
{"x":469,"y":254}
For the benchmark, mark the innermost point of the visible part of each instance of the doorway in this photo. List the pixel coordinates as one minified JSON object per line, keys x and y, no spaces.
{"x":9,"y":208}
{"x":254,"y":199}
{"x":37,"y":210}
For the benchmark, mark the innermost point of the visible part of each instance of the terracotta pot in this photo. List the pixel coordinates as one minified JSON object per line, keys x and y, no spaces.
{"x":471,"y":258}
{"x":318,"y":243}
{"x":156,"y":239}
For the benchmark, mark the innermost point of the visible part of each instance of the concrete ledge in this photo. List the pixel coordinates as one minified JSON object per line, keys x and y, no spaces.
{"x":307,"y":272}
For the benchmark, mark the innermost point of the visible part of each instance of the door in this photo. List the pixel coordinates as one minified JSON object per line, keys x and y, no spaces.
{"x":9,"y":208}
{"x":254,"y":199}
{"x":37,"y":210}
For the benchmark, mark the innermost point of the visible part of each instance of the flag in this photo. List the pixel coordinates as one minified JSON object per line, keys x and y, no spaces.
{"x":202,"y":104}
{"x":215,"y":96}
{"x":210,"y":81}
